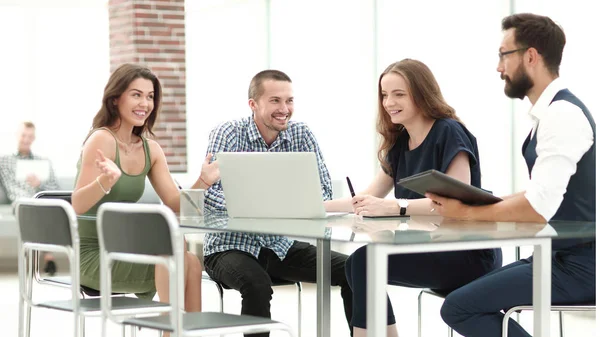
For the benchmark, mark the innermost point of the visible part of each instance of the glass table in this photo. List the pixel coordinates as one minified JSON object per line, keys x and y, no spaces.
{"x":417,"y":234}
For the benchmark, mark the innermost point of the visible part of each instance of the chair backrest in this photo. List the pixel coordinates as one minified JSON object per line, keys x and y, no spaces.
{"x":64,"y":195}
{"x":46,"y":221}
{"x":140,"y":233}
{"x":144,"y":229}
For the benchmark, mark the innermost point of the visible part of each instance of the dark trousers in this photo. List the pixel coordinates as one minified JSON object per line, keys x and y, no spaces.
{"x":474,"y":310}
{"x":443,"y":272}
{"x":252,"y":278}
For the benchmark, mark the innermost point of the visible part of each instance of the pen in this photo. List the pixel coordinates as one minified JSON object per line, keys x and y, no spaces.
{"x":188,"y":198}
{"x":352,"y":194}
{"x":350,"y":187}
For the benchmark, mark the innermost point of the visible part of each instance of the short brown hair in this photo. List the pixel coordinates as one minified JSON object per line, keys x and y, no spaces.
{"x":541,"y":33}
{"x":256,"y":88}
{"x":28,"y":125}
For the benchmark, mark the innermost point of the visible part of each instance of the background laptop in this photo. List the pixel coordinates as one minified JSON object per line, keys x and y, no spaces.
{"x":272,"y":185}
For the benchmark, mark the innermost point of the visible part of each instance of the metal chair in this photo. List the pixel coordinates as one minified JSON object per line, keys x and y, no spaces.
{"x":433,"y":293}
{"x":50,"y":225}
{"x":275,"y":282}
{"x":35,"y":257}
{"x":119,"y":232}
{"x":558,"y":308}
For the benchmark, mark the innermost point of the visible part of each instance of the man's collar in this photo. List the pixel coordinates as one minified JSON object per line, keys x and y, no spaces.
{"x":254,"y":134}
{"x":539,"y":108}
{"x":29,"y":156}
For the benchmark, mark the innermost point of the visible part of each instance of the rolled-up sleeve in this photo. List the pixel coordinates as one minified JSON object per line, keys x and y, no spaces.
{"x":311,"y":144}
{"x":221,"y":139}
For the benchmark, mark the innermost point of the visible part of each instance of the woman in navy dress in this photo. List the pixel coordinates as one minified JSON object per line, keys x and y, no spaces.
{"x":420,"y":132}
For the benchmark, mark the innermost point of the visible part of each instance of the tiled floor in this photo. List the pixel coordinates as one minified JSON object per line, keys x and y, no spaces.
{"x":50,"y":323}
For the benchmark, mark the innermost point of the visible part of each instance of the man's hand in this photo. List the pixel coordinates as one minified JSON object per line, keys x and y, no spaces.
{"x":210,"y":173}
{"x":449,"y":208}
{"x":370,"y":205}
{"x":33,"y":181}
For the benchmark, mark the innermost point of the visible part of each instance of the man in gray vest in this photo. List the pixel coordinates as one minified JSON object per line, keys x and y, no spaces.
{"x":560,"y":152}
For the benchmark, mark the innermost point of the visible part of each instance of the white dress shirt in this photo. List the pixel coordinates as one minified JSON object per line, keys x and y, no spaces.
{"x":564,"y":135}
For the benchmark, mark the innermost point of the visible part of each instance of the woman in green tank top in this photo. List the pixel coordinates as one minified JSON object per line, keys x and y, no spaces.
{"x":115,"y":160}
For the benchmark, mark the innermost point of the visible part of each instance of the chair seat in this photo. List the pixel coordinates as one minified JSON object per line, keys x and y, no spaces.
{"x":93,"y":304}
{"x":435,"y":293}
{"x":560,"y":307}
{"x":206,"y":321}
{"x":66,"y":280}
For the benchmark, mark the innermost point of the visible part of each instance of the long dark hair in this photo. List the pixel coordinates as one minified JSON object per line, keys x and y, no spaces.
{"x":424,"y":92}
{"x":118,"y":82}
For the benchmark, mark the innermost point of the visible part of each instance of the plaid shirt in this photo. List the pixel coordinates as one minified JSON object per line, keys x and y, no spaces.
{"x":16,"y":189}
{"x":243,"y":136}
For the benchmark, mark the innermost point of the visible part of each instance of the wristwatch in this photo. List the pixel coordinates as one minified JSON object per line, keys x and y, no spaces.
{"x":403,"y":203}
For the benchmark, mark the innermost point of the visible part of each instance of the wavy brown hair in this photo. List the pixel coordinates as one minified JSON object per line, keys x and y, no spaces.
{"x":424,"y":92}
{"x":119,"y":81}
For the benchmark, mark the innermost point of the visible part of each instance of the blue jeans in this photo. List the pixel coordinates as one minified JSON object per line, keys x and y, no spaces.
{"x":252,"y":277}
{"x":442,"y":272}
{"x":474,"y":310}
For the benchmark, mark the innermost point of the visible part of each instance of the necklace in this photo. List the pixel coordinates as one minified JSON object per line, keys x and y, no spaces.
{"x":127,"y":147}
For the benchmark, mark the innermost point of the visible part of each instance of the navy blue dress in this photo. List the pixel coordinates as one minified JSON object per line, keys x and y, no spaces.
{"x":444,"y":271}
{"x":446,"y":139}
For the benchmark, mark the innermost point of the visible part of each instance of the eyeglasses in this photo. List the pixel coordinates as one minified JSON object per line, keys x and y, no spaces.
{"x":508,"y":52}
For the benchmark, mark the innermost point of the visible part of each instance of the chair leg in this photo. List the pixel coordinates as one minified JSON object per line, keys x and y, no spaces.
{"x":81,"y":325}
{"x":29,"y":291}
{"x":220,"y":289}
{"x":561,"y":323}
{"x":24,"y":318}
{"x":419,"y":314}
{"x":450,"y":332}
{"x":299,"y":286}
{"x":77,"y":324}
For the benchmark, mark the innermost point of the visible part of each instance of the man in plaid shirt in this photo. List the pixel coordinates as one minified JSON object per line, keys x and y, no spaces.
{"x":31,"y":185}
{"x":248,"y":262}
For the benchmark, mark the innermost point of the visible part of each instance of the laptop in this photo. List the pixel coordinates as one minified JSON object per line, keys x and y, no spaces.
{"x":272,"y":185}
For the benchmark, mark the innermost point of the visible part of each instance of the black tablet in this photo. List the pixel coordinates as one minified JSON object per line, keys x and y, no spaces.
{"x":386,"y":216}
{"x":436,"y":182}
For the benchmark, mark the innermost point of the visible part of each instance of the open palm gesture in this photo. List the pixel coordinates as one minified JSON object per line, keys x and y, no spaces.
{"x":107,"y":167}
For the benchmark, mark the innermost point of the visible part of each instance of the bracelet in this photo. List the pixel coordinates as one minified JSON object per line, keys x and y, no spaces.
{"x":202,"y":180}
{"x":102,"y":187}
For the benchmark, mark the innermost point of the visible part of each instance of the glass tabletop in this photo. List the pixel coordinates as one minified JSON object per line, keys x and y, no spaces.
{"x":415,"y":229}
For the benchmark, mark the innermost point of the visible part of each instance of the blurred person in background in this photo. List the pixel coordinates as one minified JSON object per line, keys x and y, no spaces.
{"x":17,"y":188}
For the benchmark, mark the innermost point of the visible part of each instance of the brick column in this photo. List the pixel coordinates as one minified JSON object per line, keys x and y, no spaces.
{"x":152,"y":33}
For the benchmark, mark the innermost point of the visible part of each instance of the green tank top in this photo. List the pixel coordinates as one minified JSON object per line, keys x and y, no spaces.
{"x":129,"y":188}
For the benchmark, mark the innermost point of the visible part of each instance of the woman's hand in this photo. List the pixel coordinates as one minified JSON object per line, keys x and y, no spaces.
{"x":210,"y":173}
{"x":370,"y":205}
{"x":108,"y":168}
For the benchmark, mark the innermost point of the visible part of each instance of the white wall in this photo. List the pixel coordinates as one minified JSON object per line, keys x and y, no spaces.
{"x":58,"y":65}
{"x":225,"y":47}
{"x":334,"y":51}
{"x":53,"y":73}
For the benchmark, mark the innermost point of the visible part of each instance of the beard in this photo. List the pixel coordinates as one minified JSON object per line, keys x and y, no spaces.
{"x":519,"y":86}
